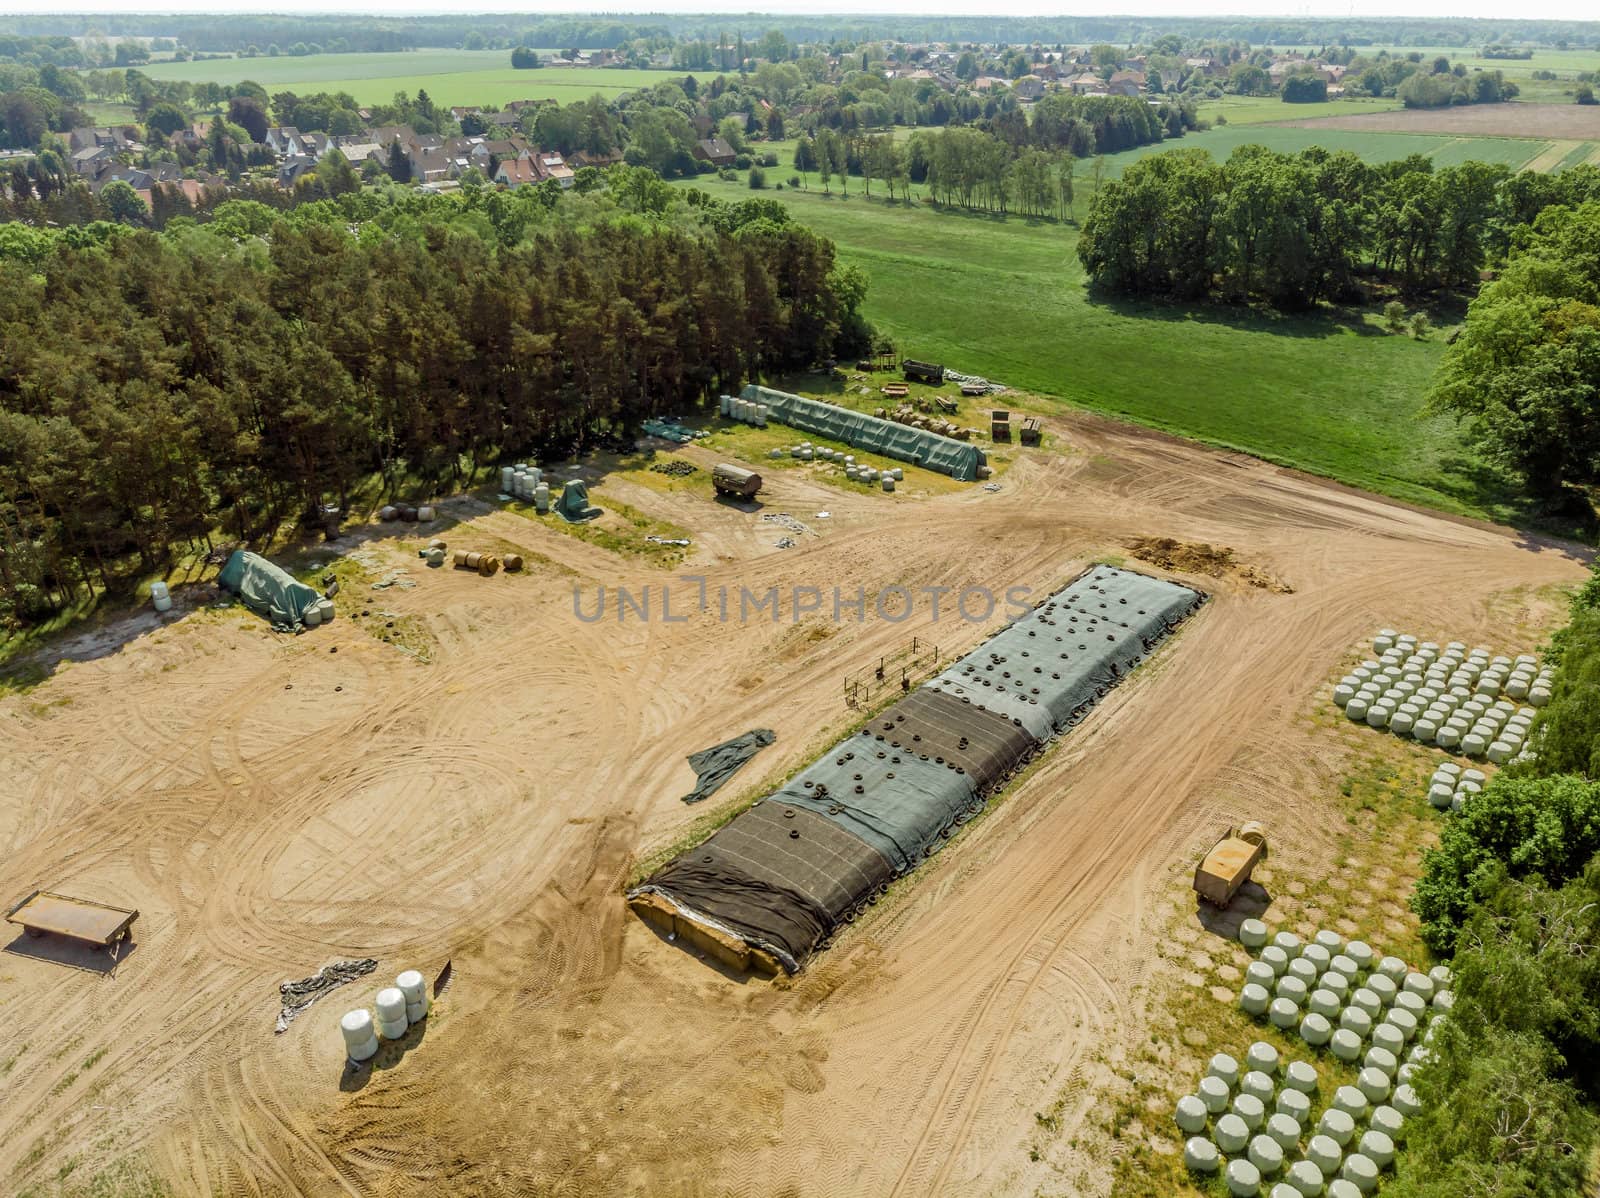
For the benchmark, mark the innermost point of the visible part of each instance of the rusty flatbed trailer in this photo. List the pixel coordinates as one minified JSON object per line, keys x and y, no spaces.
{"x":82,"y":919}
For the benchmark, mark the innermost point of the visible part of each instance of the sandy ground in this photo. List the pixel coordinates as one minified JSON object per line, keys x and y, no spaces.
{"x":486,"y":808}
{"x":1572,"y":122}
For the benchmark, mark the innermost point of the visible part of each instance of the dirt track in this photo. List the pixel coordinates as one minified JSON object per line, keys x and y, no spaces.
{"x":487,"y":807}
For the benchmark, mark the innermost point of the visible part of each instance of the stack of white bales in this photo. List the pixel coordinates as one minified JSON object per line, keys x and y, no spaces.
{"x":1452,"y":698}
{"x":1379,"y":1005}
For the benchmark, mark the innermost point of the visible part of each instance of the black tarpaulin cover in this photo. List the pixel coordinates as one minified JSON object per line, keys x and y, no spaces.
{"x":779,"y":877}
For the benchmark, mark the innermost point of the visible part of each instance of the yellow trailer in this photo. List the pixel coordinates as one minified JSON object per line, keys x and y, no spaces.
{"x":1229,"y":864}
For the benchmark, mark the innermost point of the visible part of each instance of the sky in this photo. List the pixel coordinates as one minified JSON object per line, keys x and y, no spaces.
{"x":1530,"y":9}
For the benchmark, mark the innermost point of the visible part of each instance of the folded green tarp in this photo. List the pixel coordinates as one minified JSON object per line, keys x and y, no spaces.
{"x":901,"y":442}
{"x":267,"y":590}
{"x":716,"y":765}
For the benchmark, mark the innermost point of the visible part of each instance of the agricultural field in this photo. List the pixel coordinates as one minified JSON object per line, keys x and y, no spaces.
{"x":1366,"y":138}
{"x":1005,"y":298}
{"x":1515,"y":119}
{"x":1257,"y":110}
{"x":449,"y":76}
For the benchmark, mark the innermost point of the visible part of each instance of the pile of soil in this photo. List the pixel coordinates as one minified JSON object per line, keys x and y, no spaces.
{"x":1214,"y":561}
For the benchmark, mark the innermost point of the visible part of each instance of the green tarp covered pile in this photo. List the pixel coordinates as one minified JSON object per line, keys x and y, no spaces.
{"x":901,"y":442}
{"x":267,"y":590}
{"x":785,"y":874}
{"x":573,"y":506}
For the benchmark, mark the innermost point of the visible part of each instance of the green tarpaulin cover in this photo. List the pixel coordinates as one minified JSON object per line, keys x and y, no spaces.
{"x":783,"y":876}
{"x":716,"y":765}
{"x":573,"y":506}
{"x":1049,"y":667}
{"x":901,"y":442}
{"x":267,"y":590}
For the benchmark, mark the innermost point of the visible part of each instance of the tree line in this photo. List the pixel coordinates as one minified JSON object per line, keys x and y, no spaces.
{"x":1512,"y":1082}
{"x":1297,"y":229}
{"x":1524,"y":373}
{"x":155,"y":388}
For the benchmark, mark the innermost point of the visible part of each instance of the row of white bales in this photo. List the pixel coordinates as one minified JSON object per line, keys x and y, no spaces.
{"x":1459,"y":699}
{"x":1361,"y":1008}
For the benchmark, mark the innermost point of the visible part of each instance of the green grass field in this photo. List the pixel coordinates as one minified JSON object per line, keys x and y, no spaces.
{"x":1255,"y":110}
{"x":1371,"y":146}
{"x":449,"y":76}
{"x":1005,"y":298}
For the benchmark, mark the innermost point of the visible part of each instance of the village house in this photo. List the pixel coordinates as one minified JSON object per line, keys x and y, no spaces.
{"x":515,"y":172}
{"x":430,"y":162}
{"x":714,"y":150}
{"x":285,"y":141}
{"x":1126,"y":83}
{"x":550,"y":165}
{"x":583,"y":158}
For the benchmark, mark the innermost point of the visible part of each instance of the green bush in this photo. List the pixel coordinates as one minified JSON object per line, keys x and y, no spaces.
{"x":1494,"y":1121}
{"x":758,"y":178}
{"x":769,"y":159}
{"x":741,"y":162}
{"x":1527,"y":964}
{"x":1568,"y":736}
{"x":1519,"y":827}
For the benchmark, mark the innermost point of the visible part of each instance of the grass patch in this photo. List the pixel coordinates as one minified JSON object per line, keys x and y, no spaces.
{"x":364,"y":607}
{"x":1385,"y":820}
{"x":1256,"y":110}
{"x":1329,"y":392}
{"x":10,"y":1062}
{"x":449,"y":76}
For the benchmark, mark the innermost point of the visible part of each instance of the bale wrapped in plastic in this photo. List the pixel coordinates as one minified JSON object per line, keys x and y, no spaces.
{"x":574,"y":505}
{"x":269,"y":591}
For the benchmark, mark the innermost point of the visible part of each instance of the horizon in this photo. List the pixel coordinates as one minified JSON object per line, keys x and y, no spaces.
{"x":1155,"y":10}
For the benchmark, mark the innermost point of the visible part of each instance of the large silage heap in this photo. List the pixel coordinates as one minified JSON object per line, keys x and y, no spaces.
{"x":771,"y":887}
{"x":1048,"y":669}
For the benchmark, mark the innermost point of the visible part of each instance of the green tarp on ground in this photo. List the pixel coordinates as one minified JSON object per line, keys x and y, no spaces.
{"x":716,"y":765}
{"x":901,"y":442}
{"x":267,"y":590}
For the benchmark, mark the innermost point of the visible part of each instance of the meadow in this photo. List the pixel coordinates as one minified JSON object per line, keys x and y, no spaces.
{"x":1331,"y":393}
{"x":1255,"y":110}
{"x":449,"y":76}
{"x":1369,"y":145}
